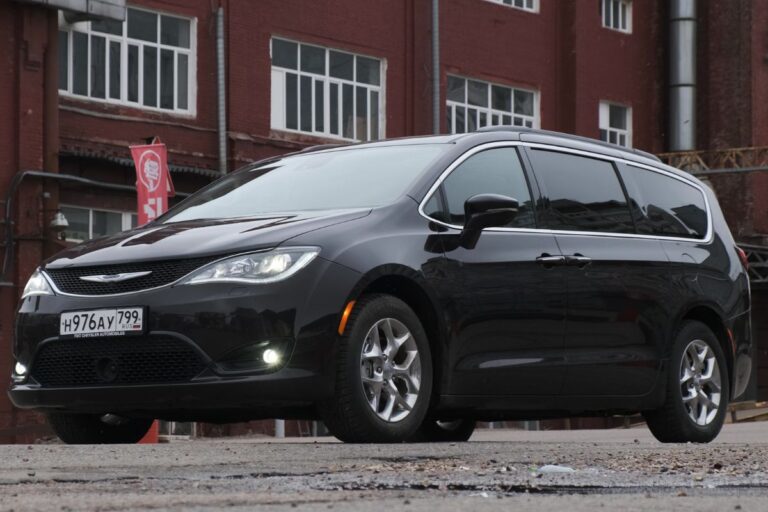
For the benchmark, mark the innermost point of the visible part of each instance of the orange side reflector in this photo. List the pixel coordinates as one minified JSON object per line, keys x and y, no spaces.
{"x":732,"y":340}
{"x":345,"y":317}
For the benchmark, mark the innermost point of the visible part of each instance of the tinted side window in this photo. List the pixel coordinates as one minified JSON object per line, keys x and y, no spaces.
{"x":493,"y":171}
{"x":667,"y":206}
{"x":584,"y":193}
{"x":434,"y":207}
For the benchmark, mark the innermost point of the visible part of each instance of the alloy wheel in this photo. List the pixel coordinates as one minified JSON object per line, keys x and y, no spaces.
{"x":390,"y":370}
{"x":700,"y":382}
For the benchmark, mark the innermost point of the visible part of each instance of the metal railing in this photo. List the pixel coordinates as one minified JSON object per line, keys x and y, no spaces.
{"x":757,"y":255}
{"x":718,"y":160}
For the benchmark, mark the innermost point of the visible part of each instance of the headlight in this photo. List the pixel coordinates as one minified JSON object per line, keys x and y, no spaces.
{"x":256,"y":268}
{"x":37,"y":285}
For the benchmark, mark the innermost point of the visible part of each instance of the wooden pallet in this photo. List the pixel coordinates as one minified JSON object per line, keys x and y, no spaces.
{"x":750,"y":411}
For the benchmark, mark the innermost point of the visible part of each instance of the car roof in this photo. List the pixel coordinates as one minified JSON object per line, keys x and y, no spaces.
{"x":566,"y":138}
{"x":514,"y":133}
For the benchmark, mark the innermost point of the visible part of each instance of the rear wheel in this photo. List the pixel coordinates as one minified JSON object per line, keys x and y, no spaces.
{"x":435,"y":431}
{"x":383,"y":374}
{"x":697,"y":389}
{"x":98,"y":428}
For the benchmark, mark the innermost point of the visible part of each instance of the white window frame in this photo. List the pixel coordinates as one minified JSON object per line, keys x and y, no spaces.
{"x":489,"y":111}
{"x":278,"y":104}
{"x":604,"y":118}
{"x":611,"y":10}
{"x":523,"y":5}
{"x":125,"y":220}
{"x":124,"y":41}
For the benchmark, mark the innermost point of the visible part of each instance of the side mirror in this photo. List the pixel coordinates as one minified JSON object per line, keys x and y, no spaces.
{"x":485,"y":211}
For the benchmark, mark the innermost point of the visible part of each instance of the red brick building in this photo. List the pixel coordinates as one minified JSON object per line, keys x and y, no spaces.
{"x":76,"y":92}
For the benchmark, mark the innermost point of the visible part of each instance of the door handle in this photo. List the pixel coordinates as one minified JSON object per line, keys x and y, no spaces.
{"x":578,"y":260}
{"x":549,"y":261}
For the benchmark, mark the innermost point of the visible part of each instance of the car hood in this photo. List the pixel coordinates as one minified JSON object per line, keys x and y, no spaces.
{"x":195,"y":238}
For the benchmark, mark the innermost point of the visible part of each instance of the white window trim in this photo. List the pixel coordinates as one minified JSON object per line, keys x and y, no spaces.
{"x":278,"y":104}
{"x":604,"y":118}
{"x":490,"y":111}
{"x":535,"y":8}
{"x":191,"y":52}
{"x":125,"y":221}
{"x":608,"y":4}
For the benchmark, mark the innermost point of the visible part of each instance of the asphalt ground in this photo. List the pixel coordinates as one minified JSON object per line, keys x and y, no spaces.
{"x":497,"y":470}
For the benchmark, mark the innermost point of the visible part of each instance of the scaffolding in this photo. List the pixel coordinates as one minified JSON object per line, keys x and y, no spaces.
{"x":719,"y":161}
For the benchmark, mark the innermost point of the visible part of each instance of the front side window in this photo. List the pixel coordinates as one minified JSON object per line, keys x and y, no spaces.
{"x":582,"y":194}
{"x":492,"y":171}
{"x":666,"y":206}
{"x":87,"y":223}
{"x":615,"y":124}
{"x":473,"y":104}
{"x":361,"y":177}
{"x":326,"y":92}
{"x":617,"y":14}
{"x":147,"y":61}
{"x":526,"y":5}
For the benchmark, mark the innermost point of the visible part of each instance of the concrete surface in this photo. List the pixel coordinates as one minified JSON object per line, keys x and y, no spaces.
{"x":497,"y":470}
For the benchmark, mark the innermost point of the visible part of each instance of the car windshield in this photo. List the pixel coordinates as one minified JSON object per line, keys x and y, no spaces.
{"x":362,"y":177}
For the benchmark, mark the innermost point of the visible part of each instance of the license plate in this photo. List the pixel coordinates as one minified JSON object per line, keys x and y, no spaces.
{"x":102,"y":322}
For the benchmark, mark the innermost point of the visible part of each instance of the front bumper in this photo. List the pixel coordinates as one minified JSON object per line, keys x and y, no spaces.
{"x":216,"y":320}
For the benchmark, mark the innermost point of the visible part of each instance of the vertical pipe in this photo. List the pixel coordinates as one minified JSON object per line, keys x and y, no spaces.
{"x":222,"y":89}
{"x":682,"y":75}
{"x":51,"y":95}
{"x":436,"y":110}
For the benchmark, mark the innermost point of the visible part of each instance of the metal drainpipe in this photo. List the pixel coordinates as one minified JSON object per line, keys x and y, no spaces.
{"x":222,"y":89}
{"x":682,"y":75}
{"x":436,"y":67}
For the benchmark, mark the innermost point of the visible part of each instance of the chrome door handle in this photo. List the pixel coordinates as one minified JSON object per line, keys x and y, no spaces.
{"x":578,"y":260}
{"x":548,"y":261}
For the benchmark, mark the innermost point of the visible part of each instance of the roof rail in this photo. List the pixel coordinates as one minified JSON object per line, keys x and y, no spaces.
{"x":319,"y":147}
{"x":568,"y":136}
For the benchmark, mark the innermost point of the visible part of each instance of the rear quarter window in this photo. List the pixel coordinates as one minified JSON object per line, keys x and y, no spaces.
{"x":664,"y":205}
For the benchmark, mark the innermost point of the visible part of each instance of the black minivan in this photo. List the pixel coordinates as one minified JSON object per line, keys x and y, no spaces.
{"x":400,"y":291}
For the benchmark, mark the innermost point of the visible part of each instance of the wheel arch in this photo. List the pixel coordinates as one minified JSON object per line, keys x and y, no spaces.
{"x":709,"y":316}
{"x":408,"y":285}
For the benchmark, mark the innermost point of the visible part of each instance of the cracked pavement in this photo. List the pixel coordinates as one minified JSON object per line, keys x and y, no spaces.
{"x":497,"y":470}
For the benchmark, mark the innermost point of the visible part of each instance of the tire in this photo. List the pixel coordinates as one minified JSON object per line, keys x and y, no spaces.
{"x":674,"y":421}
{"x":435,"y":431}
{"x":97,"y":428}
{"x":354,"y":414}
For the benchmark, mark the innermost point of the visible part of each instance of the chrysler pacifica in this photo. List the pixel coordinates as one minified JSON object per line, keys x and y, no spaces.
{"x":401,"y":290}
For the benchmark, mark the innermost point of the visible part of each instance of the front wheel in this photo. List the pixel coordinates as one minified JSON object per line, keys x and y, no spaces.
{"x":383,"y":374}
{"x":98,"y":428}
{"x":697,"y":389}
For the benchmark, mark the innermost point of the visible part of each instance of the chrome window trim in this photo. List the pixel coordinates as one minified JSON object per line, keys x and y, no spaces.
{"x":706,"y":240}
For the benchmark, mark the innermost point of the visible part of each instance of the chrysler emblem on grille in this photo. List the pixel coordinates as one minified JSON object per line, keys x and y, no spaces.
{"x":115,"y":278}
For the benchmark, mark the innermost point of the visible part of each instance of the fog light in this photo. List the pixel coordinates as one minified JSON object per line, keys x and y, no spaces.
{"x":263,"y":356}
{"x":271,"y":357}
{"x":20,"y":369}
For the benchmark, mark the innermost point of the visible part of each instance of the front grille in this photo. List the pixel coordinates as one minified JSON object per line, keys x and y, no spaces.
{"x":125,"y":360}
{"x":163,"y":272}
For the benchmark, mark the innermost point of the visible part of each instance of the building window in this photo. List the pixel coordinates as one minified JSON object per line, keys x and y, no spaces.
{"x":326,"y":92}
{"x":526,"y":5}
{"x":87,"y":223}
{"x":472,"y":104}
{"x":148,"y":61}
{"x":617,"y":14}
{"x":616,"y":124}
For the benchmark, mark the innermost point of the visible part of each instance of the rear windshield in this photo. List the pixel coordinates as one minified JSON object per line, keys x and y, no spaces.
{"x":362,"y":177}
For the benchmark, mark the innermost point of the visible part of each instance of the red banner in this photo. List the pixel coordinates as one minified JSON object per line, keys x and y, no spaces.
{"x":153,"y":180}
